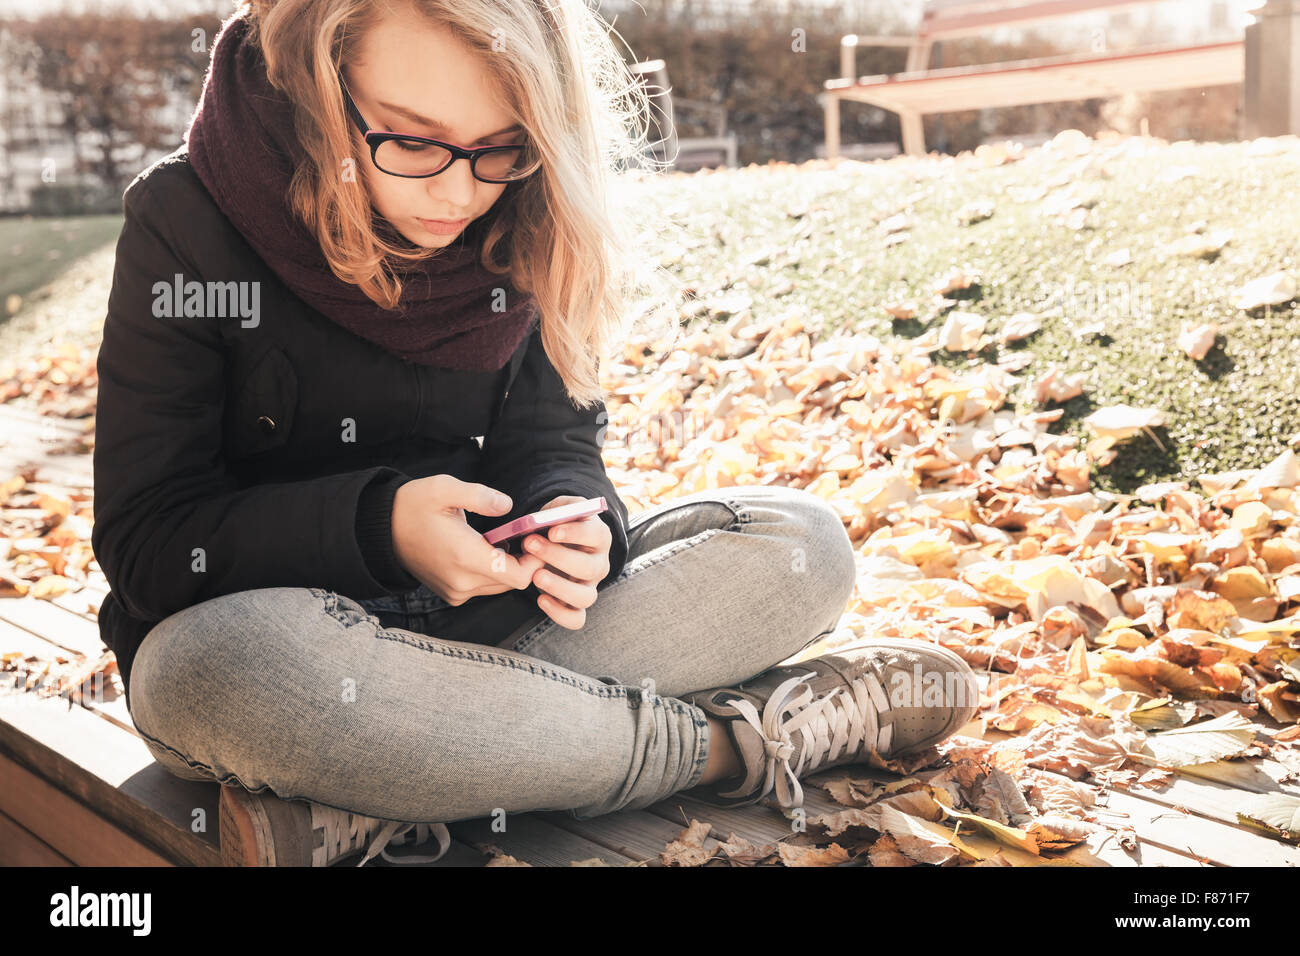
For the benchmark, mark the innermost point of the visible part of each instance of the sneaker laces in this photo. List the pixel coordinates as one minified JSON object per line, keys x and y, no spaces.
{"x":345,"y":832}
{"x":831,"y":727}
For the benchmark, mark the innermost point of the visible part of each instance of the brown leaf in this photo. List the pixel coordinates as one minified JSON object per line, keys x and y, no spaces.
{"x":885,"y":852}
{"x":688,"y":849}
{"x":832,"y":855}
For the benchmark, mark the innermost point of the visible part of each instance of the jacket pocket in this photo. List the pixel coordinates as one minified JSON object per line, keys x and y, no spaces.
{"x":261,"y":413}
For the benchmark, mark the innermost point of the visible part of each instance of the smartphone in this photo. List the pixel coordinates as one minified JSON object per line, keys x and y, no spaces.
{"x":510,"y":535}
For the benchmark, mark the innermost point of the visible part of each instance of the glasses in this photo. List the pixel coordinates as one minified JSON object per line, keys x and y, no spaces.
{"x":418,"y":157}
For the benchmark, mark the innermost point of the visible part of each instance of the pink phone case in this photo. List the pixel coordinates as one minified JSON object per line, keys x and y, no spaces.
{"x":512,"y":531}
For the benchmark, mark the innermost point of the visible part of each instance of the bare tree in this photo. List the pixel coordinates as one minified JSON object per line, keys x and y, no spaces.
{"x":112,"y":73}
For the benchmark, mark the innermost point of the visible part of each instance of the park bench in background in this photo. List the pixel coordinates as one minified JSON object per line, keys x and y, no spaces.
{"x":689,"y":153}
{"x":919,"y":91}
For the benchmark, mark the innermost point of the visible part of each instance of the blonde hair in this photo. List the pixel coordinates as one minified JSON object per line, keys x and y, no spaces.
{"x":583,"y":114}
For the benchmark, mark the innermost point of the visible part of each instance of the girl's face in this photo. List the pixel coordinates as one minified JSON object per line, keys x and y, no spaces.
{"x":415,"y":77}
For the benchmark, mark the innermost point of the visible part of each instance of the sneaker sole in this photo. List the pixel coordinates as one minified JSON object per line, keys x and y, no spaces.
{"x":259,"y":832}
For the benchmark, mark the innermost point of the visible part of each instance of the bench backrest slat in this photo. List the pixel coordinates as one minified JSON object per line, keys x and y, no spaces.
{"x":946,"y":18}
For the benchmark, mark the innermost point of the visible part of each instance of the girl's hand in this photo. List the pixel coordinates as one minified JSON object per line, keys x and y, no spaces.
{"x":577,"y":559}
{"x":435,"y":544}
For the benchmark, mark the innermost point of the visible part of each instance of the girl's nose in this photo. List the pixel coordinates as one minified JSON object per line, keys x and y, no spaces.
{"x":455,"y":185}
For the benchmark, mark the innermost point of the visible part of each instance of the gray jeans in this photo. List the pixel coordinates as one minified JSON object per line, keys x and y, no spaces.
{"x":406,"y":708}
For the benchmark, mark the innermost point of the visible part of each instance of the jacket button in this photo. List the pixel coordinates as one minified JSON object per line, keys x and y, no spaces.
{"x":267,"y":424}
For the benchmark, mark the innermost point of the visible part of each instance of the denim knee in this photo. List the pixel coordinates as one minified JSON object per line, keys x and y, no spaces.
{"x":829,"y":553}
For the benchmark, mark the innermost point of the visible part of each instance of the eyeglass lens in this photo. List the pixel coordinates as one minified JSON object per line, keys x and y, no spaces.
{"x":411,"y":158}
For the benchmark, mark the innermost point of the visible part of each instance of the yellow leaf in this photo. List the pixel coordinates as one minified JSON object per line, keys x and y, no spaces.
{"x":1241,"y":583}
{"x":50,"y":586}
{"x":1011,"y":836}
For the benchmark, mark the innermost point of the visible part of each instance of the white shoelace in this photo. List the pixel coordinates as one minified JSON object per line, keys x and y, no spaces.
{"x":832,"y":726}
{"x":345,"y":832}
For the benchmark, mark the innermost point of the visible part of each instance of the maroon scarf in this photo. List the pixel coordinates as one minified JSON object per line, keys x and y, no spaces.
{"x":243,"y":148}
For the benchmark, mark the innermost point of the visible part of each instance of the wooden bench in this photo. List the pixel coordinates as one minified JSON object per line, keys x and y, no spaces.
{"x":919,"y":91}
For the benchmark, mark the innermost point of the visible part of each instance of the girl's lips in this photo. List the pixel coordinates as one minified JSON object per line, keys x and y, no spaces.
{"x":442,"y":227}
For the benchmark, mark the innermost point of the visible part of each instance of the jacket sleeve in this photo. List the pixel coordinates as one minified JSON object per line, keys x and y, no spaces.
{"x":541,"y":447}
{"x":173,"y":527}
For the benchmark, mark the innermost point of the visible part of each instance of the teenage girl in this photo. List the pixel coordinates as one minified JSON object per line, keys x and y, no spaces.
{"x":367,"y":298}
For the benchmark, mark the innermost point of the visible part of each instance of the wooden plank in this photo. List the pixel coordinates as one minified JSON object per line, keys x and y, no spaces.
{"x":68,"y":470}
{"x":534,"y":841}
{"x":113,"y":771}
{"x":55,"y":624}
{"x":67,"y":825}
{"x":95,"y":699}
{"x":14,"y":638}
{"x":758,"y":825}
{"x":1201,"y":836}
{"x":632,"y":833}
{"x":19,"y":413}
{"x":20,"y":847}
{"x":954,"y":18}
{"x":1204,"y":797}
{"x":84,"y":602}
{"x":1048,"y":79}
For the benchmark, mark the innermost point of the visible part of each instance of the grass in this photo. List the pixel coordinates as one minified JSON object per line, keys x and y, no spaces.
{"x":810,"y":240}
{"x":35,"y":251}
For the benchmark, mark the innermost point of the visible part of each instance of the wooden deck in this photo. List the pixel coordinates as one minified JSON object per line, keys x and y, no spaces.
{"x":79,"y":787}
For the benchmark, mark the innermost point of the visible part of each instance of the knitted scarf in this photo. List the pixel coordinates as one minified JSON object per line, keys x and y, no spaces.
{"x":242,"y":146}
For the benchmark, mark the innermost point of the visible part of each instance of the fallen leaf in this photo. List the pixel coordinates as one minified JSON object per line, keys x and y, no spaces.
{"x":1123,"y":421}
{"x":1201,"y":743}
{"x":1275,"y":289}
{"x":1275,"y":814}
{"x":1197,"y":340}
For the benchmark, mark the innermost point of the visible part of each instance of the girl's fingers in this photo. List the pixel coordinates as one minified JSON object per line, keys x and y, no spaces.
{"x":577,"y":563}
{"x":562,"y":614}
{"x":587,"y":532}
{"x":576,"y":594}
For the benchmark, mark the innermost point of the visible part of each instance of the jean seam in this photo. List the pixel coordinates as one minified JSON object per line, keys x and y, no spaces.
{"x":233,"y":778}
{"x":533,"y":667}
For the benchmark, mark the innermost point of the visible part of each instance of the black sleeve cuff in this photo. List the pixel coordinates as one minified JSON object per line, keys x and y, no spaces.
{"x":374,"y":527}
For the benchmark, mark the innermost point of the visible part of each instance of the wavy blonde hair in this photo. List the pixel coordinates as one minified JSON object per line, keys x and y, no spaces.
{"x":583,"y":112}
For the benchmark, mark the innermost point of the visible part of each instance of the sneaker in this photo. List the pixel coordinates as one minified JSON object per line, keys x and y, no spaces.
{"x":260,"y":829}
{"x":873,"y":701}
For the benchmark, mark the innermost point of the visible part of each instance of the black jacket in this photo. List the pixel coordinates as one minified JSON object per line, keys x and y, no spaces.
{"x":219,"y":434}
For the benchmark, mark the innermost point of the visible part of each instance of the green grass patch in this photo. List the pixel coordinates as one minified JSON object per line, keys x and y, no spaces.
{"x":34,"y":251}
